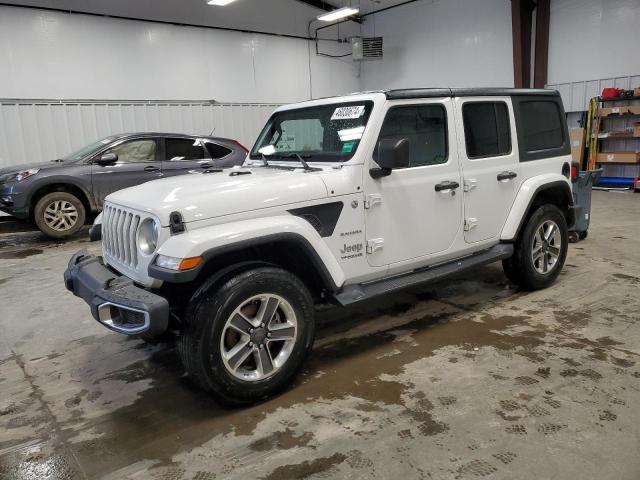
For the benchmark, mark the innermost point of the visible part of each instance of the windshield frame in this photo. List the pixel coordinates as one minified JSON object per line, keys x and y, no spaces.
{"x":313,"y":156}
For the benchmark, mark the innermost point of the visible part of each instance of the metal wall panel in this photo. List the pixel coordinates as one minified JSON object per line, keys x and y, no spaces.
{"x":576,"y":95}
{"x":37,"y":130}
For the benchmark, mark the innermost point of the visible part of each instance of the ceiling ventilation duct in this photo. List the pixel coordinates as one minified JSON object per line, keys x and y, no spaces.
{"x":367,"y":48}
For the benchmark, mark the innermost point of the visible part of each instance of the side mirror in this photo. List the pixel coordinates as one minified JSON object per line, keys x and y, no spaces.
{"x":391,"y":153}
{"x":107,"y":159}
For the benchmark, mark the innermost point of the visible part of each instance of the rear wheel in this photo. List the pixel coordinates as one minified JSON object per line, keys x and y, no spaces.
{"x":59,"y":214}
{"x":540,"y":251}
{"x":246,"y":338}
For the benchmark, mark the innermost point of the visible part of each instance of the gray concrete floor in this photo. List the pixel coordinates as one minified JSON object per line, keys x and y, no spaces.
{"x":468,"y":378}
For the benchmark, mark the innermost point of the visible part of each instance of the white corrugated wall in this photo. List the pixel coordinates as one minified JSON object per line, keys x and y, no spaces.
{"x":39,"y":130}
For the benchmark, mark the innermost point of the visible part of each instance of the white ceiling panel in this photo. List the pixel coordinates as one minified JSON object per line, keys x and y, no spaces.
{"x":289,"y":17}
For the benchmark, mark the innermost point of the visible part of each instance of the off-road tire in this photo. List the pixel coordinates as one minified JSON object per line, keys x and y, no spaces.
{"x":520,"y":268}
{"x":204,"y":322}
{"x":51,"y":198}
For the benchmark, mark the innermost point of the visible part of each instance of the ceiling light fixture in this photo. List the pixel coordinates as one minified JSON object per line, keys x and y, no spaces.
{"x":220,"y":3}
{"x":338,"y":14}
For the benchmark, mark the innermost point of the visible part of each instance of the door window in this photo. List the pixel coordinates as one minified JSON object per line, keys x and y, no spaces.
{"x":217,"y":151}
{"x":425,"y":126}
{"x":135,"y":151}
{"x":486,"y":129}
{"x":183,"y":149}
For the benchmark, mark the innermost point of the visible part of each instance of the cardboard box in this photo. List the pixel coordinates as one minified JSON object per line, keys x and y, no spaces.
{"x":605,"y":112}
{"x":636,"y":129}
{"x":576,"y":137}
{"x":619,"y":157}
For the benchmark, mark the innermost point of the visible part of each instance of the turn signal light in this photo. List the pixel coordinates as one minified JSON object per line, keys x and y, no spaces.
{"x":189,"y":263}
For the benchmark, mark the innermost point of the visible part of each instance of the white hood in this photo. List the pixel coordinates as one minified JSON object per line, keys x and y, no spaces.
{"x":199,"y":196}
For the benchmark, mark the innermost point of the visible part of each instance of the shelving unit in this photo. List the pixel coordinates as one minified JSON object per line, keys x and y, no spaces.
{"x":613,"y":140}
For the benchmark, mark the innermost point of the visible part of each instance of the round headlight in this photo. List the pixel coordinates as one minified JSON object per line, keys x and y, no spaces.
{"x":148,"y":236}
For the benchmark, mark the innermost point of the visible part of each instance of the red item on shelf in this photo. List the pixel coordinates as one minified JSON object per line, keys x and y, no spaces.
{"x":609,"y":93}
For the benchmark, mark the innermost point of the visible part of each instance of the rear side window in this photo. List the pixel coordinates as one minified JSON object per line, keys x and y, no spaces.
{"x":183,"y":149}
{"x":541,"y":126}
{"x":217,"y":151}
{"x":486,"y":129}
{"x":425,"y":126}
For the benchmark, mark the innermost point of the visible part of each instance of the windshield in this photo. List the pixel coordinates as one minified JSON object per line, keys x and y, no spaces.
{"x":89,"y":149}
{"x":327,"y":133}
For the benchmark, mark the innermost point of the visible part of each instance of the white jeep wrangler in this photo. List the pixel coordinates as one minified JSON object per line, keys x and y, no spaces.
{"x":341,"y":200}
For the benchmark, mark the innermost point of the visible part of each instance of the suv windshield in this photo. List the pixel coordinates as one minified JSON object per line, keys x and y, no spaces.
{"x":89,"y":149}
{"x":327,"y":133}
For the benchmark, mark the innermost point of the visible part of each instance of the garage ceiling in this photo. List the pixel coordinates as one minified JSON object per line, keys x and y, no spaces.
{"x":366,"y":6}
{"x":288,"y":17}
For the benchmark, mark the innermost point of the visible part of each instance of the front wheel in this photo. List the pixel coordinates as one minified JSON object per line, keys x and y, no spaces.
{"x":540,"y":251}
{"x":246,"y":338}
{"x":59,"y":214}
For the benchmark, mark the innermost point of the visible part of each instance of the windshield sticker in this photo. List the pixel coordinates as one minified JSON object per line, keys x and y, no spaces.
{"x":347,"y":113}
{"x":347,"y":147}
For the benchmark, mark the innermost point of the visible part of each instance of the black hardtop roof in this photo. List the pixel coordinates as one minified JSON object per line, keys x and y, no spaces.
{"x":466,"y":92}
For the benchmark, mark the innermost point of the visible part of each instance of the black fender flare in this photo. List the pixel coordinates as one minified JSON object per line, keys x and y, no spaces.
{"x":173,"y":276}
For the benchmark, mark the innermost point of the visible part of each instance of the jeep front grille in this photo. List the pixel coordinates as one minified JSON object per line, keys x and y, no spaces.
{"x":119,"y":230}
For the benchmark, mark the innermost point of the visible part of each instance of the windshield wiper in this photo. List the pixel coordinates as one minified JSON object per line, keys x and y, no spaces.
{"x":305,"y":165}
{"x":264,"y":160}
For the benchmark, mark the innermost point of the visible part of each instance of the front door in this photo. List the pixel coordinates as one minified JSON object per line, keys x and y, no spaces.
{"x":137,"y":163}
{"x":490,"y":165}
{"x":416,"y":211}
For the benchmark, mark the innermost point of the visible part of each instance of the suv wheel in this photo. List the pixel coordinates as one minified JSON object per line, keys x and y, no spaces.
{"x":540,"y":251}
{"x":59,"y":214}
{"x":246,"y":338}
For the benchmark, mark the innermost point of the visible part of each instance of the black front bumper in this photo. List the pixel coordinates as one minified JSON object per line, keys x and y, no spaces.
{"x":114,"y":299}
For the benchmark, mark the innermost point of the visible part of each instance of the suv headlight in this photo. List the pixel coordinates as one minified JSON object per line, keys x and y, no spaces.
{"x":148,"y":236}
{"x":18,"y":176}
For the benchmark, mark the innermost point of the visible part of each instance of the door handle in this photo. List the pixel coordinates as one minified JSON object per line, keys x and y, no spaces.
{"x":505,"y":176}
{"x":151,"y":168}
{"x":205,"y":165}
{"x":446,"y":185}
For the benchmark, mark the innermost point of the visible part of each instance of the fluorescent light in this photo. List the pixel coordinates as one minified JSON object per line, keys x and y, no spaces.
{"x":338,"y":14}
{"x":220,"y":3}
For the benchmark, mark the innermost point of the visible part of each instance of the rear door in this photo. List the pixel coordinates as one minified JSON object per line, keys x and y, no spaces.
{"x":182,"y":154}
{"x":490,"y":166}
{"x":138,"y":162}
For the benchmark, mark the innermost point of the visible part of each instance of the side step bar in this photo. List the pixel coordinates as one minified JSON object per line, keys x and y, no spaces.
{"x":364,"y":291}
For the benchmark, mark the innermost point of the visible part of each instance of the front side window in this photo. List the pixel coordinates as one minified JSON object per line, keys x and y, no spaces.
{"x":542,"y":125}
{"x":183,"y":149}
{"x":486,"y":129}
{"x":425,"y":126}
{"x":135,"y":151}
{"x":327,"y":133}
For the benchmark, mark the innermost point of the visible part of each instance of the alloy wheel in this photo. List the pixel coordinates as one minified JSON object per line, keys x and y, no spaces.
{"x":60,"y":215}
{"x":258,"y":337}
{"x":546,"y":247}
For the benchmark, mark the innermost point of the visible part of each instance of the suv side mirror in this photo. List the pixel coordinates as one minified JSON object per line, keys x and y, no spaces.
{"x":107,"y":159}
{"x":391,"y":153}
